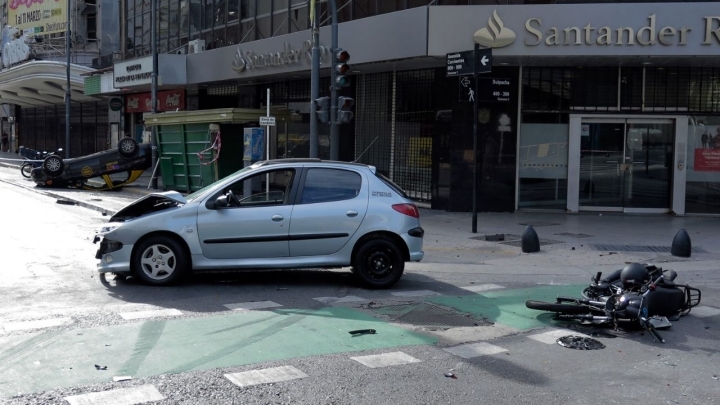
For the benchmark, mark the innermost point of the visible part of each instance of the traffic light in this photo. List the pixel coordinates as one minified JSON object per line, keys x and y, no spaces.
{"x":341,"y":57}
{"x":322,"y":109}
{"x":344,"y":115}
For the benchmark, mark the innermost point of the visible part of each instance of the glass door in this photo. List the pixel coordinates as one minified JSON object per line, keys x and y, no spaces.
{"x":626,"y":165}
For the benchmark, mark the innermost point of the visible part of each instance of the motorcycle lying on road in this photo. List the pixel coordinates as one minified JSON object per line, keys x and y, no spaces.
{"x":638,"y":293}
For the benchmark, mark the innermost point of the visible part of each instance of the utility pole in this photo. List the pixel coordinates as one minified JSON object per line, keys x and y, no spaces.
{"x":334,"y":130}
{"x":153,"y":88}
{"x":314,"y":78}
{"x":67,"y":84}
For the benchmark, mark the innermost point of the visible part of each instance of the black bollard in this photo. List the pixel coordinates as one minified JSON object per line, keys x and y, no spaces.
{"x":681,"y":245}
{"x":530,"y":241}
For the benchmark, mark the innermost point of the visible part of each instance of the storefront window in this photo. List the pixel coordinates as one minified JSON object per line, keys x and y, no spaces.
{"x":543,"y":162}
{"x":702,"y":193}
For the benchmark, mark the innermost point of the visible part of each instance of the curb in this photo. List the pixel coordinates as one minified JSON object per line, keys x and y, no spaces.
{"x":77,"y":202}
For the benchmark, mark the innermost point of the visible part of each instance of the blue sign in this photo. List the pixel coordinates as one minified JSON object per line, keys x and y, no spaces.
{"x":253,"y":144}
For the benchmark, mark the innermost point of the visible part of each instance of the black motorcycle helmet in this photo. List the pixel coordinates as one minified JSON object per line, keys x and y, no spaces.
{"x":633,"y":275}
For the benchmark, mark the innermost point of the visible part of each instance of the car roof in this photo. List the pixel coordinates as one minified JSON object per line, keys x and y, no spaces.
{"x":312,"y":160}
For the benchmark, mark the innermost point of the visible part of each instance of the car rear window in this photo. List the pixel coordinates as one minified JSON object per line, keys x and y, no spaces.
{"x":390,"y":184}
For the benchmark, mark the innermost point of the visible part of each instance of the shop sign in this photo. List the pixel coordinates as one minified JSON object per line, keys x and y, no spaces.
{"x":167,"y":101}
{"x":261,"y":59}
{"x":132,"y":73}
{"x":707,"y":160}
{"x":38,"y":16}
{"x":115,"y":104}
{"x":497,"y":35}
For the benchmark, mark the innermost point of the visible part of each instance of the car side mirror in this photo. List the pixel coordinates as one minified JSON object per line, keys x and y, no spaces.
{"x":221,"y":202}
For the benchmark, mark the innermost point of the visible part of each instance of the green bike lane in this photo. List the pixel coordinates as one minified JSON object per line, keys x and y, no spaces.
{"x":46,"y":360}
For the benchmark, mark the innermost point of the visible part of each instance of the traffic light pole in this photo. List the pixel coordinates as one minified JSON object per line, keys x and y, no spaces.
{"x":334,"y":130}
{"x":314,"y":83}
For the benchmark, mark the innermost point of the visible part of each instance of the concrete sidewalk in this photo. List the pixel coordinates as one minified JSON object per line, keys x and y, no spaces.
{"x":571,"y":244}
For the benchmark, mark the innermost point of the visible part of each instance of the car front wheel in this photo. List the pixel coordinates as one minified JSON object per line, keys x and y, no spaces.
{"x":379,"y":263}
{"x":53,"y":165}
{"x":160,"y":261}
{"x":128,"y":148}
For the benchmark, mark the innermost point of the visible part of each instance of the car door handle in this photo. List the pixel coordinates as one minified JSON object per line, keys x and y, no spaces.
{"x":277,"y":218}
{"x":352,"y":213}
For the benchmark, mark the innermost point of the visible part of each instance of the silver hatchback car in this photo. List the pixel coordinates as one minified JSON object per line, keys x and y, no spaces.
{"x":278,"y":214}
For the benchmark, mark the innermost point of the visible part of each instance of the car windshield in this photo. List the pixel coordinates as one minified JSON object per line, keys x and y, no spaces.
{"x":203,"y":191}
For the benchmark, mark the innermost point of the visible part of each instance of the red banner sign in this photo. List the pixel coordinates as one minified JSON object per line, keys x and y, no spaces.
{"x":169,"y":100}
{"x":707,"y":160}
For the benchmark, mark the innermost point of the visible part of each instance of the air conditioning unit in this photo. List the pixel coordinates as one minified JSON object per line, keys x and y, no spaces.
{"x":196,"y":46}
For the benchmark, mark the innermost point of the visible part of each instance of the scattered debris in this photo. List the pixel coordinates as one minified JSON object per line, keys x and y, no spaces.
{"x":580,"y":343}
{"x":282,"y":289}
{"x":715,"y":377}
{"x":362,"y":332}
{"x":573,"y":248}
{"x":612,"y":253}
{"x":122,"y":378}
{"x":97,"y":367}
{"x":450,"y":375}
{"x":66,"y":202}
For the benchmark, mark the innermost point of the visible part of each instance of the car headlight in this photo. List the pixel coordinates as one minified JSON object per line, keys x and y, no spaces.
{"x":107,"y":229}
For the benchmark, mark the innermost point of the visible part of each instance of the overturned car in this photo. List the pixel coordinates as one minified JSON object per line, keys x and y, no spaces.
{"x":130,"y":158}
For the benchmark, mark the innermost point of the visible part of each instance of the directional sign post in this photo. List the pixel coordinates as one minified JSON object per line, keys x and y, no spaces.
{"x":483,"y":64}
{"x":463,"y":63}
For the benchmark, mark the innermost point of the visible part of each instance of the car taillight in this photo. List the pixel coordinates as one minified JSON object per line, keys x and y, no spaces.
{"x":407,"y":209}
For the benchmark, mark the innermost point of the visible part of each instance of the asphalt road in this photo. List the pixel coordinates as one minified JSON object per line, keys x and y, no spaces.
{"x":185,"y":344}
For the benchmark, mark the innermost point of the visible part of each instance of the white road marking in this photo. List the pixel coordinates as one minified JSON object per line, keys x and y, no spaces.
{"x":471,"y":350}
{"x":418,"y":293}
{"x":150,"y":314}
{"x":39,"y":324}
{"x":552,"y":336}
{"x":248,"y":306}
{"x":385,"y":360}
{"x":122,"y":396}
{"x":265,"y":376}
{"x":347,"y":298}
{"x":482,"y":287}
{"x":702,"y":312}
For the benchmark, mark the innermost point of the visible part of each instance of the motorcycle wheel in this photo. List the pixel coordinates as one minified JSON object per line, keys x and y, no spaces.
{"x":26,"y":170}
{"x":558,"y":308}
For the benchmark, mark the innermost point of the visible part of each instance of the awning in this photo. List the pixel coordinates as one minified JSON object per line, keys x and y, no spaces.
{"x":220,"y":116}
{"x":42,"y":83}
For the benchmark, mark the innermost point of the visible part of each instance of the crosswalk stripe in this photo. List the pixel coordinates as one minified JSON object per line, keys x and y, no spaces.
{"x":552,"y":336}
{"x":248,"y":306}
{"x":122,"y":396}
{"x":482,"y":287}
{"x":38,"y":324}
{"x":471,"y":350}
{"x":347,"y":298}
{"x":703,"y":312}
{"x":418,"y":293}
{"x":385,"y":360}
{"x":150,"y":314}
{"x":265,"y":376}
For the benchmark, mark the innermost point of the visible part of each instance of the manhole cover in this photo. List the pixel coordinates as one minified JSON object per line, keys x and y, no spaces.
{"x":539,"y":223}
{"x":574,"y":235}
{"x":430,"y":316}
{"x":580,"y":343}
{"x":543,"y":242}
{"x":640,"y":248}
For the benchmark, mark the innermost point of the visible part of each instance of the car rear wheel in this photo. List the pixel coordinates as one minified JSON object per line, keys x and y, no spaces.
{"x":128,"y":148}
{"x":379,"y":263}
{"x":160,"y":260}
{"x":53,"y":165}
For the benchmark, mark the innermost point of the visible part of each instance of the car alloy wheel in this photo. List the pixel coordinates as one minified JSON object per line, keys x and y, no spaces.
{"x":128,"y":148}
{"x":158,"y":262}
{"x":53,"y":164}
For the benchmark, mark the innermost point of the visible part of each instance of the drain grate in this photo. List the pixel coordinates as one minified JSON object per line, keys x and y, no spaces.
{"x":640,"y":248}
{"x":429,"y":316}
{"x":574,"y":235}
{"x":543,"y":242}
{"x":508,"y":237}
{"x":539,"y":223}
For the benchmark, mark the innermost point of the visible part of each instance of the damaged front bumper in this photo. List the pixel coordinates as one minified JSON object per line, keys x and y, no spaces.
{"x":114,"y":257}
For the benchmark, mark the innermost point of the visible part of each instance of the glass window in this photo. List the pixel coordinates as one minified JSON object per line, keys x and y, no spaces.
{"x":233,"y":12}
{"x":388,"y":6}
{"x":702,"y":193}
{"x":326,"y":185}
{"x":364,"y":8}
{"x":268,"y":188}
{"x":299,"y":18}
{"x":543,"y":165}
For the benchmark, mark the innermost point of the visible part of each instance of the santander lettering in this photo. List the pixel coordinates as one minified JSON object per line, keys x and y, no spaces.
{"x":647,"y":35}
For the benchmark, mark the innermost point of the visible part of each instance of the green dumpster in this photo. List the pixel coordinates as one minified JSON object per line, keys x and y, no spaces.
{"x":188,"y":143}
